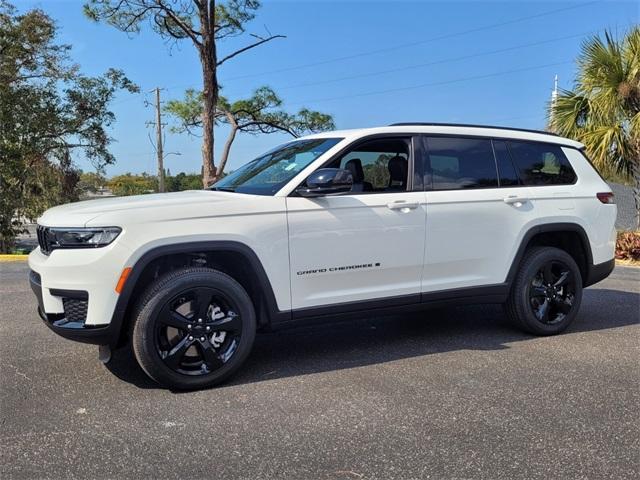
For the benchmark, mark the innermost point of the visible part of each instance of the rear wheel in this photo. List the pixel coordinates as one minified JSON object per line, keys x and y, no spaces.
{"x":547,"y":291}
{"x":194,"y":328}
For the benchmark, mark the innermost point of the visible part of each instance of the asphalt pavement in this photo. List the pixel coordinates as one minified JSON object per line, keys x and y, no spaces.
{"x":443,"y":394}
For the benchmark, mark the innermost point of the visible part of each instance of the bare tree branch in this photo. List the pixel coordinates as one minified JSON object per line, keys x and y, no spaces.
{"x":249,"y":47}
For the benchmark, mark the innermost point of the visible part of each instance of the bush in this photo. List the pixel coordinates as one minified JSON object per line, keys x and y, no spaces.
{"x":183,"y":181}
{"x":130,"y":184}
{"x":628,"y":246}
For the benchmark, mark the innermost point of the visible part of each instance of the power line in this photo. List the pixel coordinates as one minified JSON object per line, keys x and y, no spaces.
{"x":437,"y":62}
{"x":421,"y":42}
{"x":434,"y":84}
{"x":446,"y":36}
{"x":426,"y":64}
{"x":431,"y":63}
{"x":400,"y":46}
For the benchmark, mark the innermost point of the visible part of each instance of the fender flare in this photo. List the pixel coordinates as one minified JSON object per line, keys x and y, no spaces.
{"x":125,"y":298}
{"x":549,"y":228}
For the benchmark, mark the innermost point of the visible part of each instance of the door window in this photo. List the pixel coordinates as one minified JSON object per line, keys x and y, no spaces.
{"x":378,"y":166}
{"x":506,"y":170}
{"x":461,"y":163}
{"x":541,"y":164}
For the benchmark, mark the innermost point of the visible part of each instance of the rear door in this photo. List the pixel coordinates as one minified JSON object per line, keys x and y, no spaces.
{"x":474,"y":218}
{"x":367,"y":245}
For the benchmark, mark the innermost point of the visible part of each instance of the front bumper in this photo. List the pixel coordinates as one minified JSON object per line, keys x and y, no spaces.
{"x":71,"y":329}
{"x":76,"y":291}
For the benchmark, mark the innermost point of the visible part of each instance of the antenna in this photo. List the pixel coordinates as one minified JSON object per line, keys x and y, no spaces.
{"x":554,"y":98}
{"x":554,"y":93}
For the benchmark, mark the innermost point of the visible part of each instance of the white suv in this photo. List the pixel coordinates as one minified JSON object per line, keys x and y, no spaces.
{"x":367,"y":221}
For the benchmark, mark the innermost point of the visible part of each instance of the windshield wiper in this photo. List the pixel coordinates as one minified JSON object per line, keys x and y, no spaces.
{"x":224,"y":189}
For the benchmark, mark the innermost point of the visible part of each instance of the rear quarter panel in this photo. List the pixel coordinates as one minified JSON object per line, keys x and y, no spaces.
{"x":598,"y":218}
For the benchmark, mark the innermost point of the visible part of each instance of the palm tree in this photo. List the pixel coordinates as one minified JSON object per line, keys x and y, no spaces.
{"x":603,"y":109}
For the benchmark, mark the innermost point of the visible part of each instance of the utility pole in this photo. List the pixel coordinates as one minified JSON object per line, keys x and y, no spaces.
{"x":159,"y":143}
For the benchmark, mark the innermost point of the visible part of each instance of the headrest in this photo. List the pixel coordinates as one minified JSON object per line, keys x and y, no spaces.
{"x":355,"y":167}
{"x":397,"y":167}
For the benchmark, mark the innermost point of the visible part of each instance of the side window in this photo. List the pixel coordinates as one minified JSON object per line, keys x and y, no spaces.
{"x":380,"y":165}
{"x":458,"y":163}
{"x":541,"y":164}
{"x":506,"y":171}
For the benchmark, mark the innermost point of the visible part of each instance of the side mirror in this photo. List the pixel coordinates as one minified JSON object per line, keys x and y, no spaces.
{"x":326,"y":181}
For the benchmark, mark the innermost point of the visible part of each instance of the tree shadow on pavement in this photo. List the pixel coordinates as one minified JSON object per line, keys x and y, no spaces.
{"x":368,"y":340}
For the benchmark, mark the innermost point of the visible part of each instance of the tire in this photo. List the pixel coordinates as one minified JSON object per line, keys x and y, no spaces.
{"x":193,"y":329}
{"x":525,"y":307}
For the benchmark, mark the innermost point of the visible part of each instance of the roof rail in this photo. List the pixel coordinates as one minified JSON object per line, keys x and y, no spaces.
{"x":433,"y":124}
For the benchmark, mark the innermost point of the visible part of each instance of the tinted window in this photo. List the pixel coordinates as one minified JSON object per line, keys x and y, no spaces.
{"x":461,"y":163}
{"x":506,"y":170}
{"x":380,"y":165}
{"x":541,"y":164}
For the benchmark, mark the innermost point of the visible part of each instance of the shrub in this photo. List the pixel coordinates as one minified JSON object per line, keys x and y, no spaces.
{"x":628,"y":246}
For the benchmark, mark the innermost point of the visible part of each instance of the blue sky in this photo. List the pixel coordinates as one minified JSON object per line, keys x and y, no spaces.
{"x":366,"y":62}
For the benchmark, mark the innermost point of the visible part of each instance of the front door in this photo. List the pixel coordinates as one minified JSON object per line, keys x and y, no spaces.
{"x":366,"y":245}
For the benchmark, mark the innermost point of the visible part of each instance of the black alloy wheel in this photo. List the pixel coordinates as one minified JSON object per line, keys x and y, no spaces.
{"x":546,"y":291}
{"x":552,"y":292}
{"x":197,"y":331}
{"x":193,"y":328}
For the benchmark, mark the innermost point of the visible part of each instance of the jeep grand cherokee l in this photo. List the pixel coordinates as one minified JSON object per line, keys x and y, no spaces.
{"x":367,"y":220}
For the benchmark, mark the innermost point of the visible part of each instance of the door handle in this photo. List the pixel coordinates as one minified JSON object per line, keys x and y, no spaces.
{"x":401,"y":205}
{"x":515,"y":200}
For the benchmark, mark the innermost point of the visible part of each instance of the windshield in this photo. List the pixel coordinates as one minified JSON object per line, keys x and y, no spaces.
{"x":269,"y":173}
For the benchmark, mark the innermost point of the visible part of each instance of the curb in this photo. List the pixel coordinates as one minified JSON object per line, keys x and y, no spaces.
{"x":627,"y":263}
{"x":13,"y":258}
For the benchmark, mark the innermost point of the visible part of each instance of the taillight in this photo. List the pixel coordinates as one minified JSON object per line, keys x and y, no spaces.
{"x":606,"y":197}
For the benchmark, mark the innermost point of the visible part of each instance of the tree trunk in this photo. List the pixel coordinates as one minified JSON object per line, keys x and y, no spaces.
{"x":635,"y":173}
{"x":209,"y":60}
{"x":227,"y":146}
{"x":208,"y":122}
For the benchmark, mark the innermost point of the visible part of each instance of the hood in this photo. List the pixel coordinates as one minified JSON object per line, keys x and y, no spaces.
{"x":80,"y":214}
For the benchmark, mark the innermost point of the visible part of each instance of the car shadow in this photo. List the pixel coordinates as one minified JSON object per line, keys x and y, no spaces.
{"x":371,"y":339}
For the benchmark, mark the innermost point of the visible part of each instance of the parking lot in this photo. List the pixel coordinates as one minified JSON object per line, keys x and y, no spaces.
{"x":447,"y":393}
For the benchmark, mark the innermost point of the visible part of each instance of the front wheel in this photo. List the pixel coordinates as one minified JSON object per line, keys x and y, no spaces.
{"x":546,"y":294}
{"x":193,"y":328}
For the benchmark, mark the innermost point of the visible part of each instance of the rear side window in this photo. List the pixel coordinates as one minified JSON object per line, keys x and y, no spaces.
{"x":461,"y":163}
{"x":541,"y":164}
{"x":506,"y":170}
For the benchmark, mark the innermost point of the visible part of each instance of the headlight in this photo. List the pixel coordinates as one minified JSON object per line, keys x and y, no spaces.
{"x":81,"y":237}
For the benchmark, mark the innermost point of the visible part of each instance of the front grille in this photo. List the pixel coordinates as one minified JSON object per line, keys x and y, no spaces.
{"x":75,"y":310}
{"x":43,"y":239}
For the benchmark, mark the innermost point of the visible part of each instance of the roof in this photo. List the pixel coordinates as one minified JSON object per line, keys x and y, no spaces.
{"x":455,"y":129}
